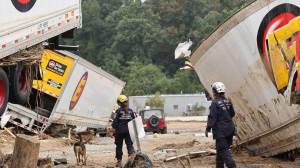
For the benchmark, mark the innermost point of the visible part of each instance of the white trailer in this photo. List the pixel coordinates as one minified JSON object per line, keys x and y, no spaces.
{"x":256,"y":54}
{"x":86,"y":100}
{"x":95,"y":102}
{"x":25,"y":24}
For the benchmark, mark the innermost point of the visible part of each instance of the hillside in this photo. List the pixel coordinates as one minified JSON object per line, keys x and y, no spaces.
{"x":136,"y":42}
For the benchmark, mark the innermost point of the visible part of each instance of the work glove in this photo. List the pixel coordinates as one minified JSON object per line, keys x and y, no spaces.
{"x":110,"y":131}
{"x":206,"y":132}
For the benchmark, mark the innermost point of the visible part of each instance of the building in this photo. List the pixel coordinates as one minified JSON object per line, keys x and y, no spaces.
{"x":176,"y":105}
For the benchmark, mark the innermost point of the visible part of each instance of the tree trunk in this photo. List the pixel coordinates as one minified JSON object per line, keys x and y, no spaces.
{"x":26,"y":152}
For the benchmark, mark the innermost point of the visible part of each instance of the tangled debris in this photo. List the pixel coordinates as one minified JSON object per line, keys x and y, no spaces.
{"x":27,"y":56}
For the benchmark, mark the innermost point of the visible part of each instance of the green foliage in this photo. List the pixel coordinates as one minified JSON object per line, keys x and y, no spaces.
{"x":197,"y":108}
{"x":185,"y":82}
{"x":155,"y":101}
{"x":145,"y":79}
{"x":136,"y":42}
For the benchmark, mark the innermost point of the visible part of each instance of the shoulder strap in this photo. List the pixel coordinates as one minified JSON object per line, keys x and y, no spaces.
{"x":223,"y":104}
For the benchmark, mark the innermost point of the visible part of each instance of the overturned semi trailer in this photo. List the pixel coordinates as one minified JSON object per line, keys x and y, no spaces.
{"x":256,"y":53}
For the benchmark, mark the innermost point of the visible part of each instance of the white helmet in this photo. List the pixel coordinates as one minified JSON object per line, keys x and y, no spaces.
{"x":219,"y":87}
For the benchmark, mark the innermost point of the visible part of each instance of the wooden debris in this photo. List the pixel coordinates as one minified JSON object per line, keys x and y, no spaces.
{"x":9,"y":132}
{"x":197,"y":154}
{"x":45,"y":163}
{"x":189,"y":161}
{"x":192,"y":155}
{"x":181,"y":162}
{"x":212,"y":151}
{"x":60,"y":161}
{"x":175,"y":158}
{"x":5,"y":160}
{"x":43,"y":136}
{"x":26,"y":152}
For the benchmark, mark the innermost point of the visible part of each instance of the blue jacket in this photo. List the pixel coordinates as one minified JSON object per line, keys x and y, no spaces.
{"x":120,"y":123}
{"x":220,"y":118}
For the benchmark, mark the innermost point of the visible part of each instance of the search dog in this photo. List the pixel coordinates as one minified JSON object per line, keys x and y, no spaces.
{"x":80,"y":151}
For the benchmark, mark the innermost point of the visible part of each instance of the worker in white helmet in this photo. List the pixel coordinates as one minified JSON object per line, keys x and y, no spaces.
{"x":223,"y":128}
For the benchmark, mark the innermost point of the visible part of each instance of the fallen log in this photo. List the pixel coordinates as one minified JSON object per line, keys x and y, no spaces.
{"x":26,"y":152}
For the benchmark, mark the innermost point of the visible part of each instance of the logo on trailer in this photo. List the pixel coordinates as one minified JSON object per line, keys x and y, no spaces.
{"x":51,"y":64}
{"x":23,"y":5}
{"x":56,"y":67}
{"x":278,"y":41}
{"x":78,"y":91}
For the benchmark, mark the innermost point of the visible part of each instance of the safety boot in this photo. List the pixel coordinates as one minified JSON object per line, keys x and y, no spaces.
{"x":119,"y":163}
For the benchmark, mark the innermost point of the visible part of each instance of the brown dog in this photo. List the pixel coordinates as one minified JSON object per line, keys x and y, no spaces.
{"x":80,"y":152}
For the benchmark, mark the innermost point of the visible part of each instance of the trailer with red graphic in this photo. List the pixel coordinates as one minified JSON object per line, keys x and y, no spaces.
{"x":256,"y":53}
{"x":71,"y":93}
{"x":25,"y":25}
{"x":42,"y":85}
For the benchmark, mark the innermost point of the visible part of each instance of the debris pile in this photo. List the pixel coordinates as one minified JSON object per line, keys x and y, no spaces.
{"x":181,"y":153}
{"x":6,"y":136}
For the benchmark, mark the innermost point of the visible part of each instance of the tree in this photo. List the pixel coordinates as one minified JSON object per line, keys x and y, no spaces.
{"x":136,"y":42}
{"x":145,"y":79}
{"x":185,"y":82}
{"x":94,"y":35}
{"x":136,"y":34}
{"x":155,"y":101}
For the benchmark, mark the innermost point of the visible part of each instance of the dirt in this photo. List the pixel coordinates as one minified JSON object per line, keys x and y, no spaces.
{"x":189,"y":137}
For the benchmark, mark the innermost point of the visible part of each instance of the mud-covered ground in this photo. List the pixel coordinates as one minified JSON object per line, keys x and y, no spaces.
{"x":183,"y":137}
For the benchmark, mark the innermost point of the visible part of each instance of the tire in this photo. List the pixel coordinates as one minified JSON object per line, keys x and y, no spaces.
{"x":164,"y":130}
{"x":140,"y":161}
{"x":20,"y":78}
{"x":4,"y":91}
{"x":154,"y":121}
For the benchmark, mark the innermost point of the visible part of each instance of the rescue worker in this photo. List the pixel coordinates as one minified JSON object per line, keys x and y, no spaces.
{"x":123,"y":115}
{"x":223,"y":128}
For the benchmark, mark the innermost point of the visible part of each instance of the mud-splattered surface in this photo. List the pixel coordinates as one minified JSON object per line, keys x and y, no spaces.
{"x":183,"y":137}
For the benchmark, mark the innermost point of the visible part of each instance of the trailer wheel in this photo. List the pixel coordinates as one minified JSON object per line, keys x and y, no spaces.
{"x":4,"y":91}
{"x":20,"y":83}
{"x":140,"y":161}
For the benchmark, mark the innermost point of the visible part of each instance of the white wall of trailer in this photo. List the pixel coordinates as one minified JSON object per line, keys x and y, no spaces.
{"x":46,"y":19}
{"x":96,"y":101}
{"x":10,"y":16}
{"x":264,"y":118}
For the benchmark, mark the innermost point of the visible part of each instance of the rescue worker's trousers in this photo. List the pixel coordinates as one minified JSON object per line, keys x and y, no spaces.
{"x":224,"y":155}
{"x":119,"y":138}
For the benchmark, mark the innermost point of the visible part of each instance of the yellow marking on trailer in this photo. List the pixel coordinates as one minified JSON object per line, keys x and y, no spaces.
{"x":55,"y":70}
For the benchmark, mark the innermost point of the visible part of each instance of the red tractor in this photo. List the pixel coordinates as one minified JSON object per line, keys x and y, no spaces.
{"x":154,"y":120}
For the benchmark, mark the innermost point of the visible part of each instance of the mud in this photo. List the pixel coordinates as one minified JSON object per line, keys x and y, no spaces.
{"x":100,"y":151}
